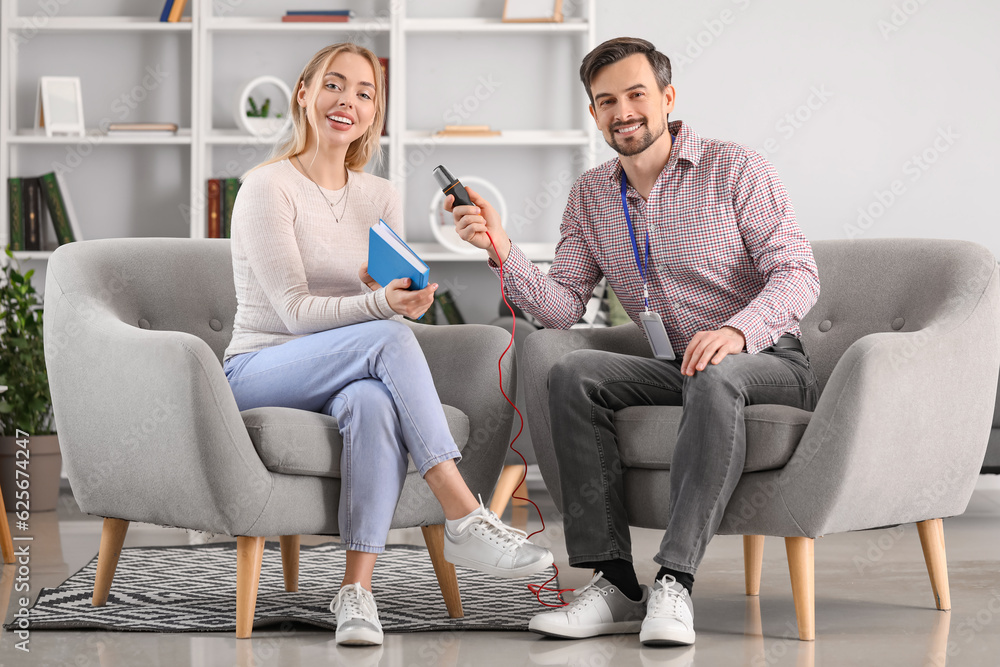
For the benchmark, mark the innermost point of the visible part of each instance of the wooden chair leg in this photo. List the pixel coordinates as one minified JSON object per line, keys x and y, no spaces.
{"x":6,"y":542}
{"x":932,"y":540}
{"x":445,"y":571}
{"x":290,"y":561}
{"x":249,"y":553}
{"x":510,"y":477}
{"x":753,"y":558}
{"x":801,"y":567}
{"x":112,"y":538}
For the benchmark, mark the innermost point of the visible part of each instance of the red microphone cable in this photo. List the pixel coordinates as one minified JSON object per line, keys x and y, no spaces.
{"x":534,"y":588}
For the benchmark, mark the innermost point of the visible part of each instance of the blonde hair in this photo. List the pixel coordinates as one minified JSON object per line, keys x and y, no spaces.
{"x":362,"y":149}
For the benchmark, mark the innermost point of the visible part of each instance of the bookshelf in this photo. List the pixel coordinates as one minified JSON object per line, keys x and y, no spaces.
{"x":209,"y":147}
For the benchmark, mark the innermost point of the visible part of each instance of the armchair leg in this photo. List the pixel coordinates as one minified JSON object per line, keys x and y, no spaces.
{"x":445,"y":571}
{"x":290,"y":561}
{"x":249,"y":552}
{"x":510,"y":477}
{"x":112,"y":538}
{"x":932,"y":540}
{"x":753,"y":558}
{"x":801,"y":567}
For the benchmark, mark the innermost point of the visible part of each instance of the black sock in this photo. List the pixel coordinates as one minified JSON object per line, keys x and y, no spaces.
{"x":685,"y":579}
{"x":620,"y":573}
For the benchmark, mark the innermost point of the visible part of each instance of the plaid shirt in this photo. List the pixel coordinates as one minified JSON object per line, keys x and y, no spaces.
{"x":725,"y":249}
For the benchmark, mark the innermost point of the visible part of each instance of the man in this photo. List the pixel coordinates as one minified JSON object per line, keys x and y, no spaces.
{"x":730,"y":273}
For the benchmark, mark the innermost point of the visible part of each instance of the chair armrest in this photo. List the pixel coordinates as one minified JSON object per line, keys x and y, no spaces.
{"x":900,"y":431}
{"x":463,"y":362}
{"x":147,"y":423}
{"x":542,"y":350}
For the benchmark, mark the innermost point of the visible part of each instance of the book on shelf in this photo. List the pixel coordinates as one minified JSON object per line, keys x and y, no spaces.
{"x":322,"y":12}
{"x":214,"y":208}
{"x":384,"y":62}
{"x":142,"y":129}
{"x":15,"y":203}
{"x":468,"y":131}
{"x":165,"y":14}
{"x":32,"y":211}
{"x":315,"y":18}
{"x":448,"y":306}
{"x":230,"y":186}
{"x":176,"y":10}
{"x":27,"y":214}
{"x":58,"y":211}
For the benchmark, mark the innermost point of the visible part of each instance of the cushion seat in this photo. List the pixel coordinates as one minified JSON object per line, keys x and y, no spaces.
{"x":647,"y":435}
{"x":299,"y":442}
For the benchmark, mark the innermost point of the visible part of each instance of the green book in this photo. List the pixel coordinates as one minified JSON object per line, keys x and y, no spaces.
{"x":57,"y":208}
{"x":15,"y":199}
{"x":449,"y":307}
{"x":230,"y":187}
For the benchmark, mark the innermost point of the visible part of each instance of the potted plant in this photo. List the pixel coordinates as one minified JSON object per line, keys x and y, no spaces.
{"x":260,"y":123}
{"x":26,"y":404}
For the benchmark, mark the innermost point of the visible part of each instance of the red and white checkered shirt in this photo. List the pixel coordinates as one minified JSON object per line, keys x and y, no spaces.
{"x":725,"y":249}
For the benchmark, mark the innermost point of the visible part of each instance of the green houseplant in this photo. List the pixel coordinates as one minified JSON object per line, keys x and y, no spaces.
{"x":26,"y":405}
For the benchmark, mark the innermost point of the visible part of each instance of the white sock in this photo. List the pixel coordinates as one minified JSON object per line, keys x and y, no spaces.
{"x":452,"y":524}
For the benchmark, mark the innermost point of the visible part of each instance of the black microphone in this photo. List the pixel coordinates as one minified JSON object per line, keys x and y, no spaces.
{"x":452,"y":186}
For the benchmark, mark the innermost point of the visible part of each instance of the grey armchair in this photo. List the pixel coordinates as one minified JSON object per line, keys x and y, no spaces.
{"x":904,"y":341}
{"x":135,"y":330}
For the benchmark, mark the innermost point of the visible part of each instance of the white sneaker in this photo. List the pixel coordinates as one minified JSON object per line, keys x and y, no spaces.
{"x":669,"y":615}
{"x":599,"y":608}
{"x":357,"y":616}
{"x":481,"y":541}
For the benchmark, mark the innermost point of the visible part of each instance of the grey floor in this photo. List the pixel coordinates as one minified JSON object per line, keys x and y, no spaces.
{"x":873,"y":607}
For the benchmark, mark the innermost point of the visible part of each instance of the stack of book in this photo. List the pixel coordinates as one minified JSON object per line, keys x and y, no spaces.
{"x":221,"y":197}
{"x":25,"y":197}
{"x":318,"y":16}
{"x":172,"y":10}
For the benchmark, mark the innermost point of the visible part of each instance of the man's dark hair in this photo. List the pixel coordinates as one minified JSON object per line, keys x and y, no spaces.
{"x":620,"y":48}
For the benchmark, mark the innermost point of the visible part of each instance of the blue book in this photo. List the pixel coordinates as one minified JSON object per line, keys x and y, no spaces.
{"x":165,"y":16}
{"x":389,"y":258}
{"x":322,"y":12}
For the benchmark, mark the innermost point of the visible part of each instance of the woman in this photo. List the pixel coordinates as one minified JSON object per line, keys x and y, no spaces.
{"x":314,"y":331}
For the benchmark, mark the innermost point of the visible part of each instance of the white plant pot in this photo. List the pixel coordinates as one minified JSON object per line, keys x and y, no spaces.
{"x":264,"y":127}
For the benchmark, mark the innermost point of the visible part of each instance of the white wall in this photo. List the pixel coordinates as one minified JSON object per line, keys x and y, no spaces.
{"x":741,"y":68}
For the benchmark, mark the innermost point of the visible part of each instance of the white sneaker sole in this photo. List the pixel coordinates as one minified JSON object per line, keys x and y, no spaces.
{"x":666,"y":637}
{"x":549,"y":628}
{"x":502,"y":572}
{"x":359,"y":637}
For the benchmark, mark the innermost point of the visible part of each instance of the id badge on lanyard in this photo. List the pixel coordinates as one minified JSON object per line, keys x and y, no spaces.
{"x":652,"y":323}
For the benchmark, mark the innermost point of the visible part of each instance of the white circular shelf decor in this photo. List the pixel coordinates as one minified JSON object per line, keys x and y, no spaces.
{"x":264,"y":127}
{"x":443,"y":223}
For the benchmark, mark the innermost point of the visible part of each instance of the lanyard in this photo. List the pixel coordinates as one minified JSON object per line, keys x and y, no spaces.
{"x":635,"y":247}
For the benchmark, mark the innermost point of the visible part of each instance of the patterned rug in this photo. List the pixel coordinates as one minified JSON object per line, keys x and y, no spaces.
{"x":193,"y":589}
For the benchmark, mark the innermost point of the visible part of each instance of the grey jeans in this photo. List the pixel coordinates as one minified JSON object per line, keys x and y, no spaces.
{"x":586,"y":387}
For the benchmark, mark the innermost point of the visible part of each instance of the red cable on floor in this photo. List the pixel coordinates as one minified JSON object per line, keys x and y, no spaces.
{"x":534,"y":588}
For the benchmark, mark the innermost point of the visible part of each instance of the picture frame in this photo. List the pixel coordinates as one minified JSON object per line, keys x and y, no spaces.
{"x":532,"y":11}
{"x":59,"y":106}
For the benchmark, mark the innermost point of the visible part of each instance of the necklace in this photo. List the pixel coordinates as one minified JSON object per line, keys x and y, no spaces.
{"x":323,"y":194}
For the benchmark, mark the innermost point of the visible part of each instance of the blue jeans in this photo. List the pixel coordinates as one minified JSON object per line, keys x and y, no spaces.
{"x":374,"y":379}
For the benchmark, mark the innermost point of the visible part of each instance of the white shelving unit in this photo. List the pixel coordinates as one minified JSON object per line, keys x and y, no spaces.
{"x":202,"y":138}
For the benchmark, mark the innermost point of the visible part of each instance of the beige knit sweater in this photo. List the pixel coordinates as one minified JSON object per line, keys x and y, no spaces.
{"x":295,"y":267}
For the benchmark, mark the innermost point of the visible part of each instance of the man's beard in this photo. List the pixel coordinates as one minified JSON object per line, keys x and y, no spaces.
{"x":639,"y":142}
